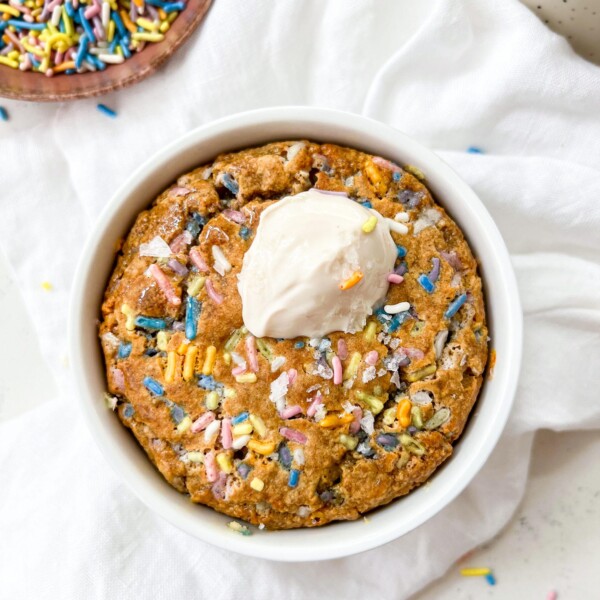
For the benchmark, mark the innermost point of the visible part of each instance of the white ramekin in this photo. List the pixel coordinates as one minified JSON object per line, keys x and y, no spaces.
{"x":250,"y":129}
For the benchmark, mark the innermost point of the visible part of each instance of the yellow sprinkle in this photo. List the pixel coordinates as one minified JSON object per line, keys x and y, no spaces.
{"x":13,"y":55}
{"x":9,"y":62}
{"x":257,"y":484}
{"x":370,"y":224}
{"x":195,"y":285}
{"x":246,"y":378}
{"x":227,"y":358}
{"x":172,"y":16}
{"x":162,"y":340}
{"x":9,"y":10}
{"x":164,"y":27}
{"x":141,"y":36}
{"x":195,"y":457}
{"x":475,"y":572}
{"x":224,"y":462}
{"x":209,"y":361}
{"x":228,"y":392}
{"x":189,"y":363}
{"x":33,"y":49}
{"x":242,"y":428}
{"x":110,"y":33}
{"x":374,"y":403}
{"x":370,"y":331}
{"x":348,"y":441}
{"x":46,"y":286}
{"x":147,"y":24}
{"x":421,"y":373}
{"x":171,"y":366}
{"x":352,"y":367}
{"x":212,"y":401}
{"x":119,"y":51}
{"x":331,"y":421}
{"x":403,"y":412}
{"x":259,"y":425}
{"x":185,"y":424}
{"x":415,"y":171}
{"x":130,"y":314}
{"x":182,"y":349}
{"x":389,"y":416}
{"x":351,"y":281}
{"x":264,"y":448}
{"x":69,"y":24}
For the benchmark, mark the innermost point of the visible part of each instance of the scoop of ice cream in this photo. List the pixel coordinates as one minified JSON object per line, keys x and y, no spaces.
{"x":318,"y":263}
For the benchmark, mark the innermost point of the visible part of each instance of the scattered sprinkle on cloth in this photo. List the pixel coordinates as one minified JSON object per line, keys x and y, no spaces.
{"x":455,"y":74}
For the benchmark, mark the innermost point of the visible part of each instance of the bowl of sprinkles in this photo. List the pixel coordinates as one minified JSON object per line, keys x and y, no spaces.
{"x":55,"y":50}
{"x":313,"y":333}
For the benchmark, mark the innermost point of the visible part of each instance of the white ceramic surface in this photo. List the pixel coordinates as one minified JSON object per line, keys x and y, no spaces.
{"x":504,"y":315}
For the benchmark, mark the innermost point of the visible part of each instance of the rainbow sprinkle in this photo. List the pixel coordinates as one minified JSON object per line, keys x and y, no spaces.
{"x":3,"y":114}
{"x":109,"y":112}
{"x":77,"y":36}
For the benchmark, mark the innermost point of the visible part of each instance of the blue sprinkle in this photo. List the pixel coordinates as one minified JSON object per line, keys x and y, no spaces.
{"x":397,"y":320}
{"x":410,"y":198}
{"x":173,"y":7}
{"x":243,"y":469}
{"x":401,"y":251}
{"x":69,"y":8}
{"x":207,"y":382}
{"x":116,"y":17}
{"x":128,"y":411}
{"x":104,"y":109}
{"x":25,"y":25}
{"x":195,"y":224}
{"x":82,"y":50}
{"x":113,"y":45}
{"x":490,"y":579}
{"x":388,"y":441}
{"x":294,"y":476}
{"x":124,"y":350}
{"x":475,"y":150}
{"x":455,"y":305}
{"x":367,"y":204}
{"x":86,"y":26}
{"x":243,"y":416}
{"x":285,"y":456}
{"x":3,"y":114}
{"x":245,"y":232}
{"x":230,"y":183}
{"x":397,"y":176}
{"x":426,"y":283}
{"x":153,"y":386}
{"x":150,"y":322}
{"x":192,"y":312}
{"x":299,"y":345}
{"x":124,"y":43}
{"x":177,"y":413}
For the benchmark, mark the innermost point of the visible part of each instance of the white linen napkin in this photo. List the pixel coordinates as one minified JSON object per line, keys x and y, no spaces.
{"x":451,"y":73}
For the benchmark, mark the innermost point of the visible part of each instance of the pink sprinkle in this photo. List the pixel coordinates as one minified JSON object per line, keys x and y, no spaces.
{"x":212,"y":293}
{"x":312,"y":409}
{"x":395,"y":278}
{"x":342,"y":349}
{"x":413,"y":353}
{"x":337,"y":370}
{"x":552,"y":595}
{"x":197,"y":259}
{"x":372,"y":357}
{"x":293,"y":435}
{"x":202,"y":422}
{"x":211,"y":466}
{"x":180,"y":242}
{"x":164,"y":284}
{"x":251,"y":353}
{"x":290,"y":411}
{"x":179,"y":191}
{"x":386,"y":164}
{"x":234,"y":215}
{"x":118,"y":379}
{"x":452,"y":259}
{"x":355,"y":425}
{"x":226,"y":434}
{"x":292,"y":374}
{"x":92,"y":11}
{"x":238,"y":371}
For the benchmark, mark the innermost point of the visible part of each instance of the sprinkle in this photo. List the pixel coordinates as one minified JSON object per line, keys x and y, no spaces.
{"x":552,"y":595}
{"x":183,"y":239}
{"x":257,"y":484}
{"x":474,"y":150}
{"x":370,"y":331}
{"x":476,"y":572}
{"x":293,"y":479}
{"x":202,"y":422}
{"x":245,"y":232}
{"x":351,"y":281}
{"x":239,"y":528}
{"x":151,"y":323}
{"x":3,"y":114}
{"x":242,"y":428}
{"x":230,"y":183}
{"x":212,"y":293}
{"x":311,"y":411}
{"x":243,"y":469}
{"x":435,"y":271}
{"x":212,"y":400}
{"x":224,"y":462}
{"x":393,"y":278}
{"x":246,"y":378}
{"x":124,"y":350}
{"x":352,"y":367}
{"x":243,"y":416}
{"x":198,"y":260}
{"x":221,"y":265}
{"x":153,"y":386}
{"x":332,"y":421}
{"x":290,"y":412}
{"x":293,"y":435}
{"x":192,"y":312}
{"x":397,"y":227}
{"x":263,"y":448}
{"x":490,"y":579}
{"x":226,"y":434}
{"x":421,"y":373}
{"x":426,"y":283}
{"x":277,"y":363}
{"x":402,"y":217}
{"x":370,"y":224}
{"x":299,"y":345}
{"x":394,"y":309}
{"x":210,"y":466}
{"x":209,"y":360}
{"x":211,"y":431}
{"x":258,"y":424}
{"x":403,"y":412}
{"x":196,"y":457}
{"x":455,"y":305}
{"x":240,"y":442}
{"x":189,"y":364}
{"x":387,"y":440}
{"x":107,"y":111}
{"x":366,"y":204}
{"x":164,"y":284}
{"x":337,"y":370}
{"x":252,"y":353}
{"x":374,"y":403}
{"x":415,"y":171}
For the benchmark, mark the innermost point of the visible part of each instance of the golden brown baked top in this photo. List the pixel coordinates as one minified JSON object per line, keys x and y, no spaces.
{"x":256,"y":428}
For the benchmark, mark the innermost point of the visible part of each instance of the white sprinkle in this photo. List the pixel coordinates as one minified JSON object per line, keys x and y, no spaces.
{"x":210,"y":433}
{"x":403,"y":217}
{"x":156,"y":247}
{"x":303,"y":511}
{"x":111,"y":59}
{"x":279,"y":389}
{"x":395,"y":379}
{"x":313,"y":388}
{"x":299,"y":456}
{"x":394,"y":309}
{"x":238,"y":359}
{"x":222,"y":265}
{"x":277,"y":363}
{"x":239,"y":442}
{"x":261,"y":526}
{"x":397,"y":227}
{"x":293,"y":150}
{"x":111,"y":339}
{"x":421,"y":398}
{"x":88,"y":65}
{"x":369,"y":374}
{"x":367,"y":423}
{"x":105,"y":14}
{"x":321,"y":412}
{"x":56,"y":15}
{"x":394,"y":343}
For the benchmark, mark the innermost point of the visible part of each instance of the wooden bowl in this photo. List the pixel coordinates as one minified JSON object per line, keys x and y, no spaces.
{"x":19,"y":85}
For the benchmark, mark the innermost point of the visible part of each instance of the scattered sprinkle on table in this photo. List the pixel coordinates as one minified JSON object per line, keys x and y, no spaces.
{"x":109,"y":112}
{"x":552,"y":595}
{"x":46,"y":286}
{"x":239,"y":528}
{"x":3,"y":114}
{"x":475,"y":572}
{"x":475,"y":150}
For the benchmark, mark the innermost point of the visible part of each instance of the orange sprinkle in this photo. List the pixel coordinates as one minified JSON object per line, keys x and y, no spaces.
{"x":351,"y":281}
{"x":403,"y":412}
{"x":139,"y":3}
{"x":69,"y":64}
{"x":331,"y":421}
{"x":162,"y":14}
{"x":127,"y":21}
